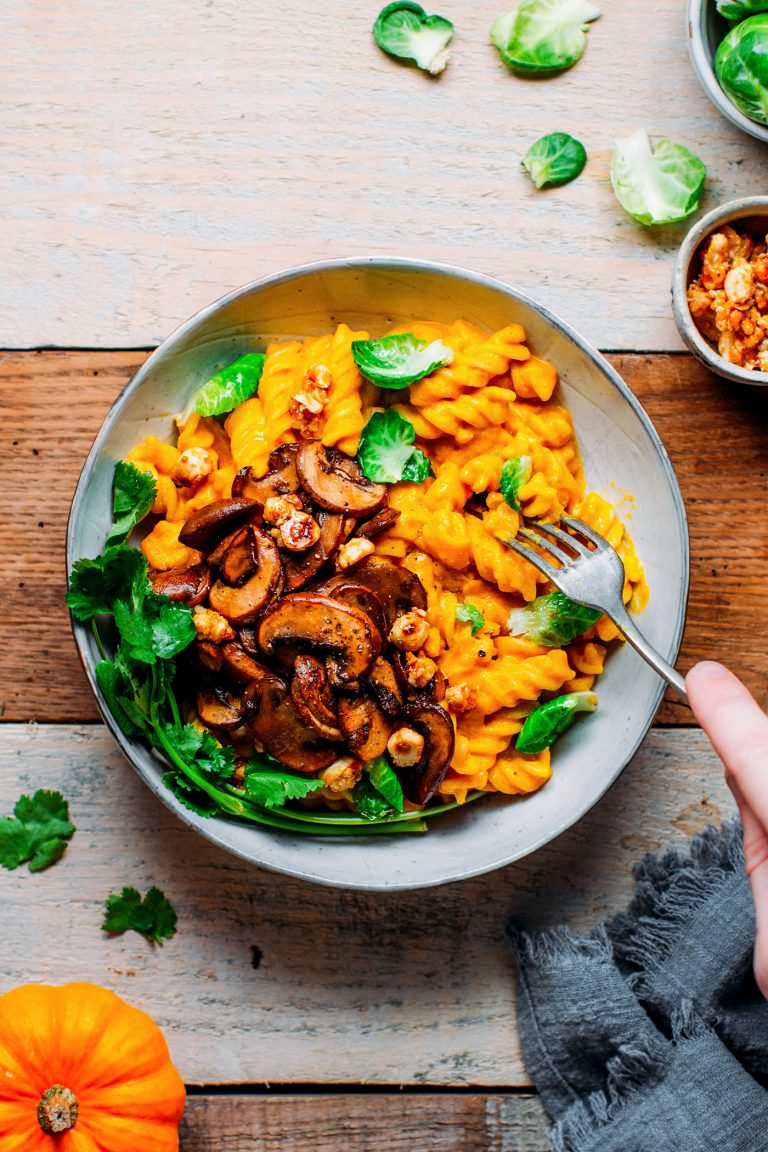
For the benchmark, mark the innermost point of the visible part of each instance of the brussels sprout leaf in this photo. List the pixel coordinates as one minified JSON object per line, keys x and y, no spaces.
{"x":384,"y":779}
{"x":555,"y":159}
{"x":386,"y":453}
{"x":152,"y":916}
{"x":551,"y":620}
{"x":405,"y":30}
{"x":133,"y":494}
{"x":468,"y":614}
{"x":656,"y":187}
{"x":397,"y":361}
{"x":543,"y":37}
{"x":740,"y":9}
{"x":550,"y":720}
{"x":228,"y":388}
{"x":741,"y":64}
{"x":515,"y":472}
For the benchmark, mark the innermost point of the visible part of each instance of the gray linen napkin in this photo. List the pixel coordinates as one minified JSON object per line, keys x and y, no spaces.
{"x":650,"y":1034}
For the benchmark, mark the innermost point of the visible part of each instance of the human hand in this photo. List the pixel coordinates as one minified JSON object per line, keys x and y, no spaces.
{"x":738,"y":729}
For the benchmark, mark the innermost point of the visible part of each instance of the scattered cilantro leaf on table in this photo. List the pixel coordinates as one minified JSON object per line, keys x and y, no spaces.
{"x":152,"y":916}
{"x":37,"y":833}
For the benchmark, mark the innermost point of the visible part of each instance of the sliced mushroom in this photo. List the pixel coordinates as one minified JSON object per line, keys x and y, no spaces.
{"x":312,"y":696}
{"x":300,"y":567}
{"x":209,"y":654}
{"x":219,"y":707}
{"x":433,"y":690}
{"x":183,"y":585}
{"x":275,"y":721}
{"x":378,"y":523}
{"x":281,"y":479}
{"x":318,"y":623}
{"x":421,"y":782}
{"x":240,"y":664}
{"x":208,"y":525}
{"x":239,"y":605}
{"x":365,"y":726}
{"x":384,"y":687}
{"x":346,"y":589}
{"x":249,"y":638}
{"x":241,"y":559}
{"x":398,"y":589}
{"x":336,"y":482}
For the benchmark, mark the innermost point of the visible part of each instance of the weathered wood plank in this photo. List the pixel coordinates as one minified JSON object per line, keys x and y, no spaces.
{"x":158,"y":156}
{"x":272,"y":980}
{"x":364,"y":1123}
{"x":715,"y":435}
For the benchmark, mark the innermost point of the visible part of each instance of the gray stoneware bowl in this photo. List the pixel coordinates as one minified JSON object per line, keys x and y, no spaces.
{"x":749,"y":213}
{"x":621,"y":451}
{"x":706,"y":29}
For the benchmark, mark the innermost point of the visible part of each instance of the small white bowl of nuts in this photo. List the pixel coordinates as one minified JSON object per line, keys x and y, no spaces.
{"x":720,"y":290}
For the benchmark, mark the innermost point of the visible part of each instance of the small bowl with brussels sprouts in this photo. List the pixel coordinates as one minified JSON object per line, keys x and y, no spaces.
{"x":728,"y":41}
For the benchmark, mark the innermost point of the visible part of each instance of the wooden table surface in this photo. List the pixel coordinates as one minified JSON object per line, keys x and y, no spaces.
{"x":154,"y":156}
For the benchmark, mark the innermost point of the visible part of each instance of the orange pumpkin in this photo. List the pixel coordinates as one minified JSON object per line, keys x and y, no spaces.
{"x":82,"y":1071}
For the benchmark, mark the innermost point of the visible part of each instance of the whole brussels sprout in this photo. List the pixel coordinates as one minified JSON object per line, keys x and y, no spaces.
{"x":741,"y":65}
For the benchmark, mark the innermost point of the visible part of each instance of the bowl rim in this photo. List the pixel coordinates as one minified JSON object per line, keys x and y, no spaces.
{"x":210,"y":828}
{"x":704,"y":67}
{"x":741,"y":208}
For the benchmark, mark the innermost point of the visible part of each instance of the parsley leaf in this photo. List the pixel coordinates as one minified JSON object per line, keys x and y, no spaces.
{"x":468,"y":614}
{"x":133,"y":494}
{"x":153,"y":916}
{"x":38,"y":832}
{"x":515,"y":473}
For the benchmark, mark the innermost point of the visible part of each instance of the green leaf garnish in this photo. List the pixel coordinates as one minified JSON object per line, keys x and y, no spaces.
{"x":552,"y":620}
{"x":555,"y":159}
{"x":659,"y":186}
{"x":397,"y":361}
{"x":468,"y":614}
{"x":153,"y":916}
{"x":273,"y":787}
{"x":405,"y":30}
{"x":386,"y":453}
{"x":228,"y":388}
{"x":550,"y":720}
{"x":543,"y":37}
{"x":96,"y":584}
{"x":370,"y":803}
{"x":515,"y":473}
{"x":37,"y":833}
{"x":133,"y":494}
{"x":384,"y":779}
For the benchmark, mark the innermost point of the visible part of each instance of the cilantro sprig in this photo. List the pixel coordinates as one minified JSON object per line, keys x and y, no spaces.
{"x":152,"y":915}
{"x":133,"y":494}
{"x":38,"y":832}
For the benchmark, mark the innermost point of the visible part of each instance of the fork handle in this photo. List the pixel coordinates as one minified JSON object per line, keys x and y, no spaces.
{"x":635,"y":637}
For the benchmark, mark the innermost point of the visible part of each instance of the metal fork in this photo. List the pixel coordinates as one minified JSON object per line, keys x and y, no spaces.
{"x":594,"y":577}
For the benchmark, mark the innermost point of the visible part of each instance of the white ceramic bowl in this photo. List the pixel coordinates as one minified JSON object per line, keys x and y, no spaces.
{"x":621,"y":451}
{"x":706,"y":29}
{"x":749,"y":213}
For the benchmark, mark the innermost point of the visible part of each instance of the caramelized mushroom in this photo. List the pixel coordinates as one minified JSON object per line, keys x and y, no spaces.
{"x":318,"y":623}
{"x":241,"y":559}
{"x":208,"y":525}
{"x":336,"y":482}
{"x":364,"y":725}
{"x":242,"y":604}
{"x":218,"y":707}
{"x":183,"y":585}
{"x":300,"y":567}
{"x":384,"y":687}
{"x":378,"y":523}
{"x":398,"y":589}
{"x":433,"y":690}
{"x":281,"y":479}
{"x":348,"y":591}
{"x":209,"y":654}
{"x":421,"y":782}
{"x":274,"y":721}
{"x":240,"y":665}
{"x":312,"y":696}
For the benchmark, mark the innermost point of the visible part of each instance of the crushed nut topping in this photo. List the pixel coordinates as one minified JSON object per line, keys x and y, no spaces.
{"x":461,"y":698}
{"x":419,"y":670}
{"x":405,"y":746}
{"x":353,"y":552}
{"x":306,"y":407}
{"x":279,"y":508}
{"x":342,"y":775}
{"x":299,"y":531}
{"x":192,"y":466}
{"x":410,"y":631}
{"x":212,"y":625}
{"x":728,"y":301}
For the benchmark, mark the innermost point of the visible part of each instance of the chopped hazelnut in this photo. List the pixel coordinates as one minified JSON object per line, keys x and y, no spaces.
{"x":342,"y":775}
{"x":461,"y":698}
{"x":419,"y":670}
{"x":307,"y":404}
{"x":410,"y":631}
{"x":405,"y":746}
{"x":299,"y":531}
{"x":192,"y":466}
{"x":279,"y":508}
{"x":212,"y":625}
{"x":354,"y":551}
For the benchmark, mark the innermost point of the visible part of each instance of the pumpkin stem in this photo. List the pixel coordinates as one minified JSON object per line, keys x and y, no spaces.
{"x":57,"y":1110}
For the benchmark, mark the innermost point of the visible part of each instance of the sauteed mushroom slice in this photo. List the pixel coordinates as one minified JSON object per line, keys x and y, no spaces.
{"x":183,"y":585}
{"x":336,"y":481}
{"x":239,"y":605}
{"x":384,"y":687}
{"x":398,"y":589}
{"x":209,"y":654}
{"x":348,"y":591}
{"x":300,"y":567}
{"x":281,"y":478}
{"x":421,"y":782}
{"x":310,"y":621}
{"x":434,"y":689}
{"x":219,"y":707}
{"x":240,"y":664}
{"x":208,"y":525}
{"x":241,"y":558}
{"x":313,"y":698}
{"x":365,"y":726}
{"x":378,"y":523}
{"x":275,"y":721}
